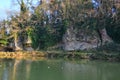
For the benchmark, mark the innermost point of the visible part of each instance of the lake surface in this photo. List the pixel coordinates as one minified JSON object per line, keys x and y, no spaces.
{"x":50,"y":69}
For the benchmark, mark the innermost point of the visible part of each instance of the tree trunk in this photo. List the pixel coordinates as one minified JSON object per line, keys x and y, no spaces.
{"x":16,"y":42}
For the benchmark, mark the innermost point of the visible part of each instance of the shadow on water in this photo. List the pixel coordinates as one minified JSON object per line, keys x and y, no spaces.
{"x":58,"y":69}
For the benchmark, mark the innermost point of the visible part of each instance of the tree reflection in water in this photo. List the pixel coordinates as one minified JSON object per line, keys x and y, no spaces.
{"x":58,"y":70}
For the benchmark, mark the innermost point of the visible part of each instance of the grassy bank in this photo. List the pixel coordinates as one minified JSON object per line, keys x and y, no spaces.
{"x":108,"y":52}
{"x":92,"y":55}
{"x":22,"y":54}
{"x":61,"y":54}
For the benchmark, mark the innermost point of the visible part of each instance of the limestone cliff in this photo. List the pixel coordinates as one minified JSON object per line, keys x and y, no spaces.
{"x":83,"y":39}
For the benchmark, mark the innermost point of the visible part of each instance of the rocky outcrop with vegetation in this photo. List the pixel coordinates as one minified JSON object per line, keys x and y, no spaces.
{"x":70,"y":24}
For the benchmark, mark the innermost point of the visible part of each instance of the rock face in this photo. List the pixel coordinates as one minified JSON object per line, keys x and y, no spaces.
{"x":105,"y":37}
{"x":82,"y":40}
{"x":29,"y":49}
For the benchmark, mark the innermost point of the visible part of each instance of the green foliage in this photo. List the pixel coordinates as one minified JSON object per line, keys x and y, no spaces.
{"x":44,"y":37}
{"x":76,"y":13}
{"x":3,"y":42}
{"x":113,"y":29}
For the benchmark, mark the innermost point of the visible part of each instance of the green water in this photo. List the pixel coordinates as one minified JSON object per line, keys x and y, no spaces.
{"x":58,"y":70}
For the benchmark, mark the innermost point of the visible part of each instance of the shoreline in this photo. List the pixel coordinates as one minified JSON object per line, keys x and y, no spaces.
{"x":21,"y":54}
{"x":60,"y":54}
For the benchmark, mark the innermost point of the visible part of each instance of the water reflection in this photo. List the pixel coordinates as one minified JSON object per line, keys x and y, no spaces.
{"x":58,"y":70}
{"x":5,"y":70}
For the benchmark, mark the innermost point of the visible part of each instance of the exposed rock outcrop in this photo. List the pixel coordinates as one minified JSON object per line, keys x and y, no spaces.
{"x":83,"y":39}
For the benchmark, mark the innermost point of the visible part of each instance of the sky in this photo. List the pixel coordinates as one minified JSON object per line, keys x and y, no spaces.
{"x":5,"y":6}
{"x":9,"y":6}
